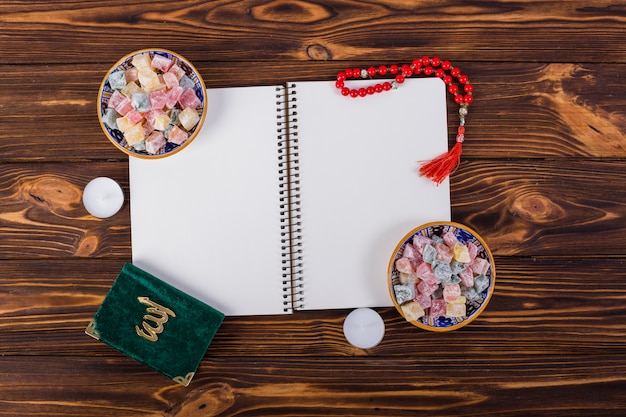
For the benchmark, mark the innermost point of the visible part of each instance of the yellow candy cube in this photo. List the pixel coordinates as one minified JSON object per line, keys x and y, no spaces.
{"x":161,"y":122}
{"x":130,"y":89}
{"x":456,"y":309}
{"x":188,"y":118}
{"x":412,"y":311}
{"x":123,"y":123}
{"x":142,"y":61}
{"x":461,"y":253}
{"x":135,"y":134}
{"x":149,"y":79}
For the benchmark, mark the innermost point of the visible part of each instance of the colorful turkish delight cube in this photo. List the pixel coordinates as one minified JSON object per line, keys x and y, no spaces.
{"x":161,"y":62}
{"x":444,"y":253}
{"x":134,"y":116}
{"x":411,"y":252}
{"x":412,"y":311}
{"x":158,"y":99}
{"x":141,"y":102}
{"x":149,"y":80}
{"x":124,"y":106}
{"x":451,"y":292}
{"x":420,"y":243}
{"x":161,"y":121}
{"x":429,"y":253}
{"x":141,"y":61}
{"x":131,"y":75}
{"x":472,"y":249}
{"x":407,"y":278}
{"x":134,"y":135}
{"x":450,"y":238}
{"x":480,"y":266}
{"x":425,"y":301}
{"x":405,"y":265}
{"x":188,"y":118}
{"x":177,"y":71}
{"x":426,"y":288}
{"x":108,"y":118}
{"x":177,"y":135}
{"x":461,"y":253}
{"x":442,"y":271}
{"x":170,"y":80}
{"x":123,"y":124}
{"x":481,"y":283}
{"x":404,"y":293}
{"x":115,"y":99}
{"x":456,"y":309}
{"x":189,"y":99}
{"x":467,"y":277}
{"x":130,"y":89}
{"x":437,"y":308}
{"x":155,"y":142}
{"x":425,"y":272}
{"x":117,"y":80}
{"x":173,"y":95}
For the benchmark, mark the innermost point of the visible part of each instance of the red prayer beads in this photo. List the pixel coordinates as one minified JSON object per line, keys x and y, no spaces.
{"x":462,"y":92}
{"x":457,"y":84}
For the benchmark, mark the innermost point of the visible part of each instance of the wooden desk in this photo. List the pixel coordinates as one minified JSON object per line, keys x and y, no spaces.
{"x":542,"y":179}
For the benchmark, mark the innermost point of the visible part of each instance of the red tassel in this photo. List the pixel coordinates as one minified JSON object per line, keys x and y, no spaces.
{"x":442,"y":166}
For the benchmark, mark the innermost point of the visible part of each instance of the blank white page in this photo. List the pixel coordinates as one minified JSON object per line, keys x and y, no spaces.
{"x":206,"y":220}
{"x":360,"y":187}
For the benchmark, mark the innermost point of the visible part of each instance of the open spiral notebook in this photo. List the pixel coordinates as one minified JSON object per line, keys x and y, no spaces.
{"x":291,"y":197}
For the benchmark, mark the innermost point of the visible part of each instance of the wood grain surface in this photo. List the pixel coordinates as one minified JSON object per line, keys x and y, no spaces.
{"x":542,"y":180}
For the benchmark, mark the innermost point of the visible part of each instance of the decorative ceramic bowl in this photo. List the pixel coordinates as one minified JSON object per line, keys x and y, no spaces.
{"x":453,"y":249}
{"x":146,"y":113}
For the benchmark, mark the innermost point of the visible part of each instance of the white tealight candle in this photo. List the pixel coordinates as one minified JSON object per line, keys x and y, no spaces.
{"x":103,"y":197}
{"x":364,"y":328}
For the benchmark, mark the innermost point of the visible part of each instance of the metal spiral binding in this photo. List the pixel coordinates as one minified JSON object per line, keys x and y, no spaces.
{"x":289,"y":179}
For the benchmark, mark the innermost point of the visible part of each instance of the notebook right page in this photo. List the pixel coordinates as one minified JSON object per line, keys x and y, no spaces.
{"x":360,"y":187}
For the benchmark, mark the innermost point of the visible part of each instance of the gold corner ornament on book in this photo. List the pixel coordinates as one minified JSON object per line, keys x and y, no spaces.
{"x":155,"y":324}
{"x":458,"y":85}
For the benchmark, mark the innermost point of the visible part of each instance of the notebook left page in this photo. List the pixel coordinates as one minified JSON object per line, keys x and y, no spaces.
{"x":206,"y":220}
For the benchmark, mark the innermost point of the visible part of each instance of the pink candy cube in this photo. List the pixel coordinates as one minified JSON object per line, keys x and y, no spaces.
{"x":473,"y":250}
{"x":451,"y":292}
{"x":177,"y":135}
{"x":410,"y":252}
{"x":467,"y":277}
{"x":480,"y":266}
{"x":157,"y":99}
{"x":134,"y":116}
{"x":161,"y":62}
{"x":405,"y":265}
{"x":424,"y":271}
{"x":425,"y":301}
{"x":170,"y":80}
{"x":438,"y":308}
{"x":426,"y":288}
{"x":155,"y":142}
{"x":177,"y":71}
{"x":125,"y":106}
{"x":420,"y":242}
{"x":444,"y":252}
{"x":189,"y":99}
{"x":173,"y":95}
{"x":450,"y":238}
{"x":115,"y":99}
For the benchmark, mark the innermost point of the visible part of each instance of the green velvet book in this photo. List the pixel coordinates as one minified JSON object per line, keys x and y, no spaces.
{"x":155,"y":324}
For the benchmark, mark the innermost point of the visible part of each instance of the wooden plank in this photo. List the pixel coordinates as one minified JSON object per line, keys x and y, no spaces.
{"x":549,"y":385}
{"x":540,"y":307}
{"x":296,"y":30}
{"x":559,"y":110}
{"x":521,"y":208}
{"x":43,"y":216}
